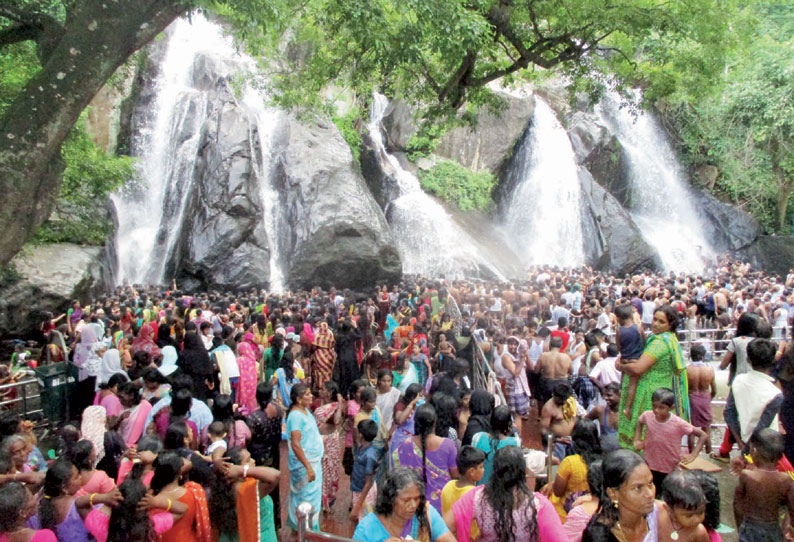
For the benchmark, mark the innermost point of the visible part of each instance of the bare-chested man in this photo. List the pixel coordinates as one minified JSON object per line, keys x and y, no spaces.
{"x":558,"y":417}
{"x":554,"y":367}
{"x":702,"y":389}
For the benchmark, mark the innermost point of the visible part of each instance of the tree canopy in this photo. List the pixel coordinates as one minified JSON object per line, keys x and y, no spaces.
{"x":441,"y":55}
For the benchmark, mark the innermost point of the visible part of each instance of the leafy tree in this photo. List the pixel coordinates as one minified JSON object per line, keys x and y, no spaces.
{"x":444,"y":53}
{"x":467,"y":189}
{"x":745,"y":123}
{"x":440,"y":53}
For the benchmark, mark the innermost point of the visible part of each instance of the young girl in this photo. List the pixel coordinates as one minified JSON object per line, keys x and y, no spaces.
{"x":663,"y":432}
{"x":711,"y":489}
{"x":686,"y":503}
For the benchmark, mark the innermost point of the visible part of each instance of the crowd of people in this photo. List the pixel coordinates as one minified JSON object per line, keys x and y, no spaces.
{"x":423,"y":396}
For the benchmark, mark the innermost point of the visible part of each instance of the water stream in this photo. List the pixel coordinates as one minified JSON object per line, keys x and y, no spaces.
{"x":151,"y":213}
{"x":659,"y":200}
{"x":543,"y":218}
{"x":428,"y":239}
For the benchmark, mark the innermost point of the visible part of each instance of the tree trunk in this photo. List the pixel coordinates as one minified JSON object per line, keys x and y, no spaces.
{"x":784,"y":189}
{"x":99,"y":36}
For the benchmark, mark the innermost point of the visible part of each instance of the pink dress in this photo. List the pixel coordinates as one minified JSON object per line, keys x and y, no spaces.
{"x":246,"y":361}
{"x":110,"y":403}
{"x":97,"y":523}
{"x":125,"y":468}
{"x":576,"y":522}
{"x":99,"y":482}
{"x":42,"y":535}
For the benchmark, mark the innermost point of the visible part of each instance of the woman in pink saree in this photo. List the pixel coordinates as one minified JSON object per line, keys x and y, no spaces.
{"x":133,"y":419}
{"x":246,"y":361}
{"x":145,"y":341}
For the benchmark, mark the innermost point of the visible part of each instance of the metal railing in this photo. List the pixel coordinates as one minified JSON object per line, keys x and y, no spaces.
{"x":304,"y":512}
{"x":24,"y":397}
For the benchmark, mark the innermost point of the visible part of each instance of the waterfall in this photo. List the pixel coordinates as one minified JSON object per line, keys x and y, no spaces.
{"x":543,"y":215}
{"x":428,"y":239}
{"x":151,"y":213}
{"x":265,"y":120}
{"x":659,"y":199}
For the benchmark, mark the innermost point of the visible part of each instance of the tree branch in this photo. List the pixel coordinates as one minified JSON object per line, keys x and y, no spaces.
{"x":18,"y":33}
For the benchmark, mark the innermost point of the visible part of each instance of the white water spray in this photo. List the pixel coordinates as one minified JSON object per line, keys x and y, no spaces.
{"x":428,"y":239}
{"x":544,"y":218}
{"x":660,"y":199}
{"x":151,"y":215}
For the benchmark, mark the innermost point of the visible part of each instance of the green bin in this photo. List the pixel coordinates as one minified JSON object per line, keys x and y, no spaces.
{"x":56,"y":385}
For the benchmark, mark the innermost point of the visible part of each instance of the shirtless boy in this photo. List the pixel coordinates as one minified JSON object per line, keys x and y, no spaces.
{"x":558,"y":417}
{"x":702,"y":389}
{"x":762,"y":490}
{"x":555,"y":367}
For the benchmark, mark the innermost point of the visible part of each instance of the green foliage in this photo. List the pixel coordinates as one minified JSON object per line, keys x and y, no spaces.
{"x":745,"y":124}
{"x":91,"y":175}
{"x":347,"y":126}
{"x":424,"y":141}
{"x":441,"y":54}
{"x":467,"y":189}
{"x":18,"y":63}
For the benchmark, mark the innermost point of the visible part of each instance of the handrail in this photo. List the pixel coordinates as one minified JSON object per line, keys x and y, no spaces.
{"x":304,"y":512}
{"x":23,"y":398}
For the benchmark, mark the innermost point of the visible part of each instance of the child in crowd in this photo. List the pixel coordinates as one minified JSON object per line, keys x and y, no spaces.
{"x":607,"y":416}
{"x":365,"y":465}
{"x":702,"y":389}
{"x":353,"y":407}
{"x":662,"y":439}
{"x":711,"y":489}
{"x":630,"y":339}
{"x":471,"y":467}
{"x":686,"y":503}
{"x":762,"y":490}
{"x":421,"y":363}
{"x":754,"y":401}
{"x":584,"y":507}
{"x":216,"y":432}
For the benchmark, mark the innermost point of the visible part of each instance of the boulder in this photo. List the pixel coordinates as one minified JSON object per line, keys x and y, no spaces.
{"x":398,"y":125}
{"x":487,"y":144}
{"x":728,"y":227}
{"x":773,"y":254}
{"x":606,"y":162}
{"x":612,"y":239}
{"x":48,"y":278}
{"x":223,"y":241}
{"x":587,"y":134}
{"x":339,"y":235}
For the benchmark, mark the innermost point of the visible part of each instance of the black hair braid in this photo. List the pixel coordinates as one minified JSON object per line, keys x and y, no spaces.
{"x":56,"y":479}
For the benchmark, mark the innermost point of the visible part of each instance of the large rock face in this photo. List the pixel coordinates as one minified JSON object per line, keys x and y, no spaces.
{"x":728,"y":227}
{"x":486,"y":145}
{"x":223,"y":239}
{"x":339,"y":235}
{"x":771,"y":253}
{"x":612,"y":239}
{"x":49,"y":278}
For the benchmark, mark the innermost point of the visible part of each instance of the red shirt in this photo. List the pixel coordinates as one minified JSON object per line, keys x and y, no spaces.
{"x":565,"y":336}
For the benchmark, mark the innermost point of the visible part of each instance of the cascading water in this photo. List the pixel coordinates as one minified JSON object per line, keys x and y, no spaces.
{"x":659,"y":197}
{"x":265,"y":120}
{"x":428,"y":239}
{"x":543,"y":217}
{"x":151,"y":214}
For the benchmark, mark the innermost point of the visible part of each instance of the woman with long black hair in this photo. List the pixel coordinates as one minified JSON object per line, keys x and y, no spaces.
{"x":433,"y":457}
{"x":240,"y":503}
{"x":505,"y":509}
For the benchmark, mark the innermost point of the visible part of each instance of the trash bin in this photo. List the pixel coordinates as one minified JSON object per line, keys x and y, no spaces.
{"x":56,"y":386}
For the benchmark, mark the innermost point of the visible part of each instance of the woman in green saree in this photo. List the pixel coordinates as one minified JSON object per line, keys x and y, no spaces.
{"x":660,"y":366}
